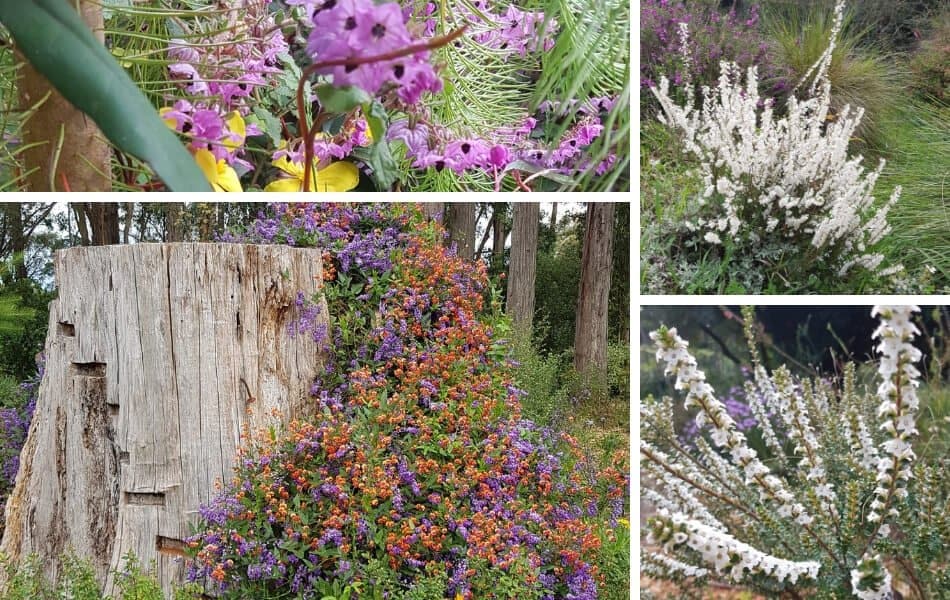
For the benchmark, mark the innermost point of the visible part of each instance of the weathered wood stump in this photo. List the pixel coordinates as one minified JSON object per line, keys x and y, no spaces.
{"x":157,"y":356}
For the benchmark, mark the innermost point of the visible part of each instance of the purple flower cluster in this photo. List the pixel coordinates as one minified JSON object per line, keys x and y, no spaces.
{"x":354,"y":29}
{"x":14,"y":426}
{"x":223,"y":69}
{"x":737,"y":405}
{"x":713,"y":37}
{"x":429,"y":145}
{"x":514,"y":31}
{"x":210,"y":129}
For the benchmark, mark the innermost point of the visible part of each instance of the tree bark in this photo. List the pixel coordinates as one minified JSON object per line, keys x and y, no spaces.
{"x":460,"y":220}
{"x":523,"y":264}
{"x":174,"y":222}
{"x":65,"y":151}
{"x":434,"y":210}
{"x":79,"y":208}
{"x":553,"y":215}
{"x":104,"y":222}
{"x":158,"y":355}
{"x":499,"y":235}
{"x":590,"y":333}
{"x":13,"y":217}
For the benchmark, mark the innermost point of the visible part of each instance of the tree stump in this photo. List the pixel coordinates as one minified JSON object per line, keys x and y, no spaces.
{"x":157,"y":356}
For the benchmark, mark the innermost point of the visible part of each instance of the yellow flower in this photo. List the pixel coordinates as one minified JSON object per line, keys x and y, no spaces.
{"x":338,"y":177}
{"x":236,"y":126}
{"x":624,"y":522}
{"x":219,"y":174}
{"x":458,"y":596}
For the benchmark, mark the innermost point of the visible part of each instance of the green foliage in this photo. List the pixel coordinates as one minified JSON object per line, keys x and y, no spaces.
{"x":614,"y":561}
{"x":58,"y":44}
{"x":136,"y":583}
{"x":930,"y":65}
{"x":918,"y":154}
{"x":11,"y":395}
{"x":888,"y":24}
{"x":77,"y":581}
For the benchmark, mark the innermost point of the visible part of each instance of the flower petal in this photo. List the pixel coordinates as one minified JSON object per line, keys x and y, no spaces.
{"x":290,"y":184}
{"x":339,"y":177}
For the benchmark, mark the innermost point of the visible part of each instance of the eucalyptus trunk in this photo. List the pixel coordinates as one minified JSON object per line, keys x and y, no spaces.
{"x":590,"y":334}
{"x":523,"y":264}
{"x":64,"y":149}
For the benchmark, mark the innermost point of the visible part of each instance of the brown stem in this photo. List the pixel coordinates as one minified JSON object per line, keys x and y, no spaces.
{"x":305,"y":131}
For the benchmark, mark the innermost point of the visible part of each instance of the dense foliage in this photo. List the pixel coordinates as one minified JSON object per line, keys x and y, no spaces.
{"x":417,"y":473}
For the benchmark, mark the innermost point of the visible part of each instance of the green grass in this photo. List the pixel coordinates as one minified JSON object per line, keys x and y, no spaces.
{"x":918,"y":152}
{"x":860,"y":76}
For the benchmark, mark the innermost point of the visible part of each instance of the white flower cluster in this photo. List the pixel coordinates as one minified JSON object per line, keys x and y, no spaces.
{"x":655,"y":563}
{"x":724,"y":552}
{"x":874,"y":578}
{"x":788,"y":177}
{"x":672,"y":350}
{"x":899,"y":404}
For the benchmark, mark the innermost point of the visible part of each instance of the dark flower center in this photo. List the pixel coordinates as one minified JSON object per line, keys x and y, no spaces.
{"x":466,"y":147}
{"x":350,"y":24}
{"x":399,"y":71}
{"x":186,"y":128}
{"x":378,"y":30}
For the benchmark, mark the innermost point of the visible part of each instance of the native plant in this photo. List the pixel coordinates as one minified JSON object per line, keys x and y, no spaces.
{"x":781,"y":190}
{"x":837,"y":506}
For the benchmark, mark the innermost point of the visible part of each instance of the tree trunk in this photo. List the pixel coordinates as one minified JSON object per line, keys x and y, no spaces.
{"x":460,"y":220}
{"x":127,"y":225}
{"x":523,"y":264}
{"x":174,"y":222}
{"x":499,"y":235}
{"x":553,"y":215}
{"x":590,"y":333}
{"x":104,"y":222}
{"x":157,"y":356}
{"x":434,"y":210}
{"x":65,"y":151}
{"x":13,"y":213}
{"x":79,"y":208}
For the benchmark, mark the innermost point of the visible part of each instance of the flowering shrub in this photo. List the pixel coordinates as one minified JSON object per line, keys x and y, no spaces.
{"x":784,"y":188}
{"x":417,"y":470}
{"x":714,"y":37}
{"x":846,"y":513}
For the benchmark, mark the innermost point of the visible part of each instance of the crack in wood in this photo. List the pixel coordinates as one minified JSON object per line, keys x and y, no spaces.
{"x":89,"y":369}
{"x":171,"y":546}
{"x":144,"y":498}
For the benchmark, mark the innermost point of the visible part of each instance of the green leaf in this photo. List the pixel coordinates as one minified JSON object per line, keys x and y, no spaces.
{"x":341,"y":99}
{"x":268,"y":123}
{"x":58,"y":44}
{"x":378,"y":120}
{"x":380,"y":159}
